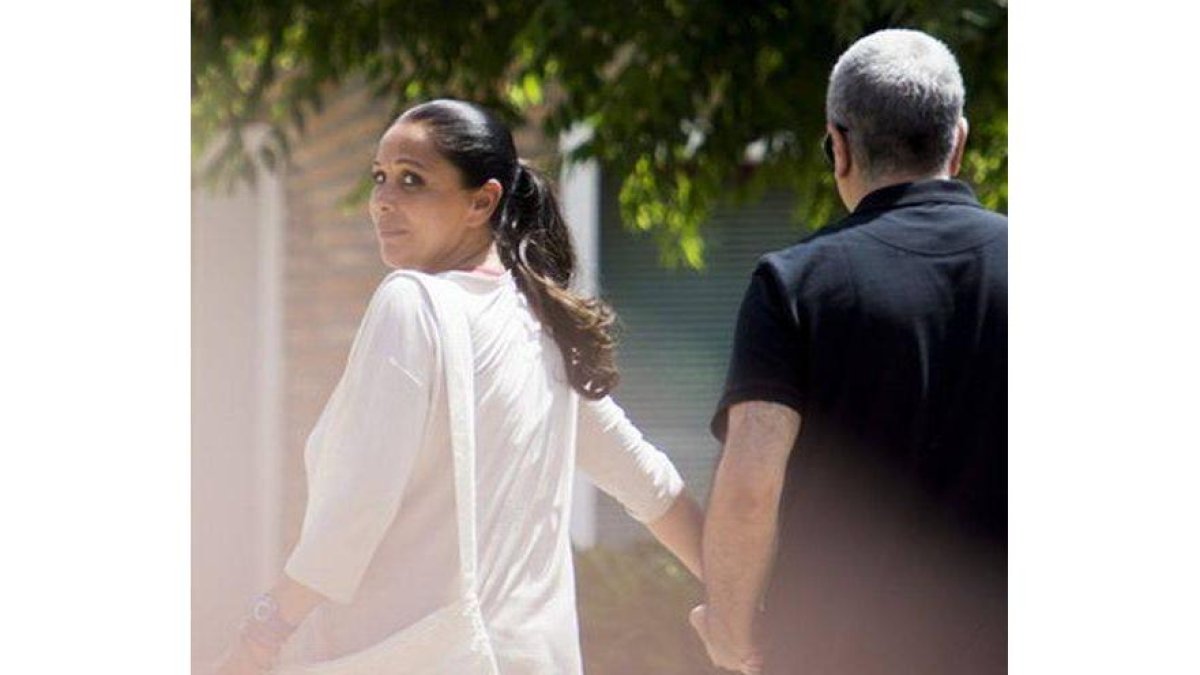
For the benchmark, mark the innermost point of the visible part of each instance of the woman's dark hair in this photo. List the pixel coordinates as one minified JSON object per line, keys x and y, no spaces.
{"x":531,"y":236}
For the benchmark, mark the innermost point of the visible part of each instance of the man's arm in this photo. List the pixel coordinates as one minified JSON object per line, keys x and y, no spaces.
{"x":739,"y":533}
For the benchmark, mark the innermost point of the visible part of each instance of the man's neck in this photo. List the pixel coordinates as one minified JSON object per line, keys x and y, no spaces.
{"x":863,"y":188}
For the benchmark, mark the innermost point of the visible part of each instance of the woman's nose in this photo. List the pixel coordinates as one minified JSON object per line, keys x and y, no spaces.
{"x":380,"y":203}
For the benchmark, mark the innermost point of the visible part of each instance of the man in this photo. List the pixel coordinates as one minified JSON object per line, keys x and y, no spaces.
{"x":857,"y":522}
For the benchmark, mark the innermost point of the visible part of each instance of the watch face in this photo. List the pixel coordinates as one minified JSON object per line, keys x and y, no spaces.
{"x":262,"y":609}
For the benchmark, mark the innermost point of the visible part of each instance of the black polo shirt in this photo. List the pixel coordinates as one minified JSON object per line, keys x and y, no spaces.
{"x":887,"y":332}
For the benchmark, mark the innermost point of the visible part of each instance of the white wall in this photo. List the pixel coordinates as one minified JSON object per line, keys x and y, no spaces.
{"x":579,"y":191}
{"x":236,"y":394}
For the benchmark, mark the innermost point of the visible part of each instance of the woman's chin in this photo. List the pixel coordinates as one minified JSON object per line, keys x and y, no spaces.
{"x":393,"y":258}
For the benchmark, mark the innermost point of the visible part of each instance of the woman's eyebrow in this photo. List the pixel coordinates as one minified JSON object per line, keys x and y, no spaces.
{"x":402,"y":160}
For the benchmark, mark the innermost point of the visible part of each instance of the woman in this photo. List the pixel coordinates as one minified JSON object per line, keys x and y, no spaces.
{"x":378,"y":550}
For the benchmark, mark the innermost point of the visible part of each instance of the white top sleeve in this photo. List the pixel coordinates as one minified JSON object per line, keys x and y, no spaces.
{"x":366,"y":441}
{"x":612,"y":452}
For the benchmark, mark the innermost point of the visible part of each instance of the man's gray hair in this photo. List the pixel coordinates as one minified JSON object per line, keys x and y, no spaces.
{"x":899,"y":95}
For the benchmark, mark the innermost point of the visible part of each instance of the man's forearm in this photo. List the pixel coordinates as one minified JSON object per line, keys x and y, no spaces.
{"x":743,"y":513}
{"x":739,"y":543}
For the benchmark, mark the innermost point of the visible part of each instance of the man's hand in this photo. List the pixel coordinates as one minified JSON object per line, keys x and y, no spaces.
{"x":744,"y":658}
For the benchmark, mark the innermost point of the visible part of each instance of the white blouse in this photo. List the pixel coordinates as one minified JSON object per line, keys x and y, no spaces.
{"x":378,"y":537}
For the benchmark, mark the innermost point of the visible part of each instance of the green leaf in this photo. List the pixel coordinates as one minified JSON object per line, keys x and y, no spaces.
{"x":646,"y":77}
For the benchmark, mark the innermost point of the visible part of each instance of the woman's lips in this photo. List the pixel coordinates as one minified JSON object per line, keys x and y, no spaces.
{"x":389,"y":234}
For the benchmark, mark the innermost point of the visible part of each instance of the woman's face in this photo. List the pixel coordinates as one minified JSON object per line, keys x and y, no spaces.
{"x":425,"y":219}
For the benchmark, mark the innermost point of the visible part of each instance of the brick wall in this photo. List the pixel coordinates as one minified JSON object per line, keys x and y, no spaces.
{"x":330,"y":269}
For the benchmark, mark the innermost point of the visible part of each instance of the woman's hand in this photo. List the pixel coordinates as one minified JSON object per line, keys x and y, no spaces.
{"x":293,"y":602}
{"x":244,"y":658}
{"x":745,"y":658}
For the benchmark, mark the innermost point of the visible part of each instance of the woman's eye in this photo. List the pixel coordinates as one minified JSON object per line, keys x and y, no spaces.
{"x":377,"y":177}
{"x":410,"y":179}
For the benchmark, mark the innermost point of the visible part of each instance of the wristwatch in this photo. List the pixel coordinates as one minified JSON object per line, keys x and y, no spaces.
{"x":264,"y":625}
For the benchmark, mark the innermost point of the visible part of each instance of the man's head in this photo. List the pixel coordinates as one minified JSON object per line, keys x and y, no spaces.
{"x":894,"y":112}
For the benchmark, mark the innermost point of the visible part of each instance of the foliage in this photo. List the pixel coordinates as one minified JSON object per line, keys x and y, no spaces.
{"x":678,"y":93}
{"x":633,"y":613}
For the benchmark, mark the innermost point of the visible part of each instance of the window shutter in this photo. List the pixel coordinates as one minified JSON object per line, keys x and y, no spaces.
{"x":677,"y":326}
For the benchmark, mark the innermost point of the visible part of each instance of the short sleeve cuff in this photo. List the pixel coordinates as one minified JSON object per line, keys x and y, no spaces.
{"x":772,"y":392}
{"x":310,"y":572}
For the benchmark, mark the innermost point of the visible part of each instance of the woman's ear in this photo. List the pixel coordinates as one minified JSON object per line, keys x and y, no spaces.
{"x":484,"y":202}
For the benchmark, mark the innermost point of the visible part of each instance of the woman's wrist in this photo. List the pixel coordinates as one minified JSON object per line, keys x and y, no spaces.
{"x":261,"y":657}
{"x":264,"y":632}
{"x":265,"y":624}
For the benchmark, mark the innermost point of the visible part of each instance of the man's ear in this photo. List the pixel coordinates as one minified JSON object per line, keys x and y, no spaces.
{"x":960,"y":146}
{"x":484,"y":202}
{"x":843,"y":160}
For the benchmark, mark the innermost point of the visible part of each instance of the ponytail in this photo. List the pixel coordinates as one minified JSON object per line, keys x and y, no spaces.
{"x":534,"y":243}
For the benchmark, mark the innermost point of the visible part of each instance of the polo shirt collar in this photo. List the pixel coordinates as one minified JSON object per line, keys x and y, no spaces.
{"x":936,"y":190}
